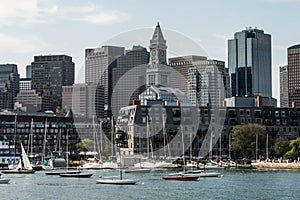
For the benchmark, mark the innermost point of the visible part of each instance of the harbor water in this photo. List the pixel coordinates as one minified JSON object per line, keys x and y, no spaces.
{"x":234,"y":184}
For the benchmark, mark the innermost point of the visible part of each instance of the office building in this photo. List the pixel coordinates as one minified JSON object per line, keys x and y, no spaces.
{"x":98,"y":70}
{"x":128,"y":77}
{"x":284,"y":94}
{"x":25,"y":84}
{"x":9,"y":85}
{"x":208,"y":83}
{"x":50,"y":73}
{"x":293,"y":70}
{"x":28,"y":71}
{"x":249,"y":63}
{"x":179,"y":78}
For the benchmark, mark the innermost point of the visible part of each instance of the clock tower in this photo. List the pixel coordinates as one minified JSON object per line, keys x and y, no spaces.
{"x":158,"y":47}
{"x":157,"y":73}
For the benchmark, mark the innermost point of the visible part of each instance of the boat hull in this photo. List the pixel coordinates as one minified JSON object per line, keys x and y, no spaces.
{"x":81,"y":175}
{"x":15,"y":171}
{"x":4,"y":180}
{"x":62,"y":172}
{"x":118,"y":182}
{"x":181,"y":178}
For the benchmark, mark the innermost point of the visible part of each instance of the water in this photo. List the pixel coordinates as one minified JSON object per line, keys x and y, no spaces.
{"x":252,"y":184}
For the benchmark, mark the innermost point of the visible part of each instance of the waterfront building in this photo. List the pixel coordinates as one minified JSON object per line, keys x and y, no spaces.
{"x":293,"y":70}
{"x":99,"y":63}
{"x":181,"y":65}
{"x":128,"y":77}
{"x":50,"y":73}
{"x":9,"y":85}
{"x":249,"y":63}
{"x":198,"y":125}
{"x":284,"y":93}
{"x":49,"y":132}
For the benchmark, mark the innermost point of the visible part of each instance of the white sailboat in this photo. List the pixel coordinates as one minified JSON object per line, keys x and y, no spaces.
{"x":24,"y":166}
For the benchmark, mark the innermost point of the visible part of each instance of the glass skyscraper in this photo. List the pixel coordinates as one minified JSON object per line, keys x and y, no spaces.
{"x":249,"y":63}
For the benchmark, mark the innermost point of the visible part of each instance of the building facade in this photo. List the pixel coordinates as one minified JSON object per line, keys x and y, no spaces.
{"x":284,"y":93}
{"x":99,"y":63}
{"x":128,"y":77}
{"x":249,"y":63}
{"x":208,"y":83}
{"x":50,"y":73}
{"x":203,"y":130}
{"x":25,"y":84}
{"x":293,"y":70}
{"x":9,"y":85}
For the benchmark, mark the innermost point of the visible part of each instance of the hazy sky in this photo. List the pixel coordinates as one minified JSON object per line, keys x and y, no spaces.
{"x":39,"y":27}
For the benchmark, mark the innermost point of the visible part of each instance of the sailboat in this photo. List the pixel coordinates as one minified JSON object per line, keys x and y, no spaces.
{"x":24,"y":166}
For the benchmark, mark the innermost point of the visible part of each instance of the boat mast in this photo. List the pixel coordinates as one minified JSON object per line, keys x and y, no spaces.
{"x":256,"y":147}
{"x":112,"y":137}
{"x":147,"y":136}
{"x":44,"y":145}
{"x":164,"y":134}
{"x":267,"y":147}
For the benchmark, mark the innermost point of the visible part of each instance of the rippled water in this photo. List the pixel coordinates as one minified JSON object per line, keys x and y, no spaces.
{"x":254,"y":184}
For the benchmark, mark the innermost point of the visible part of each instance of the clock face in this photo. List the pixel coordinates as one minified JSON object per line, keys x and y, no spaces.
{"x":161,"y":53}
{"x":153,"y":52}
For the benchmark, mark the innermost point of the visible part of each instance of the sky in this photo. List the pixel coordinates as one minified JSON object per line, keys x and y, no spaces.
{"x":43,"y":27}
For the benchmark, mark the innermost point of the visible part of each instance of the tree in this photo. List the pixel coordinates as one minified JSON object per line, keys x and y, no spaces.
{"x":281,"y":147}
{"x":244,"y":137}
{"x":85,"y":145}
{"x":294,"y":151}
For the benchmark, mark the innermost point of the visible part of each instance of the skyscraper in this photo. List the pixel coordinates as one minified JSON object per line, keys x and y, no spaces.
{"x":9,"y":85}
{"x":50,"y":73}
{"x":284,"y":94}
{"x":249,"y":62}
{"x":208,"y":82}
{"x":135,"y":61}
{"x":98,"y":69}
{"x":293,"y":70}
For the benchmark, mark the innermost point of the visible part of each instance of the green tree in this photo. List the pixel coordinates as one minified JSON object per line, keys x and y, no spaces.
{"x":281,"y":147}
{"x":294,"y":151}
{"x":85,"y":145}
{"x":244,"y":137}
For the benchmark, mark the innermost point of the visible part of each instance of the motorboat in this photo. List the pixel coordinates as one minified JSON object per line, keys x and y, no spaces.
{"x":92,"y":165}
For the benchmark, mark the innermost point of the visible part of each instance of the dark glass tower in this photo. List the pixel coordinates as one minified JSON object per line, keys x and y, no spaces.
{"x":9,"y":85}
{"x":249,"y":63}
{"x":50,"y":73}
{"x":293,"y":69}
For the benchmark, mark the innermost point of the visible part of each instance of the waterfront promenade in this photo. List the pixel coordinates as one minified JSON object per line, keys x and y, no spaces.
{"x":282,"y":165}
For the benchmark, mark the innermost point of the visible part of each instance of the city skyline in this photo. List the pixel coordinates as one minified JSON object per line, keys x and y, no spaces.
{"x":42,"y":27}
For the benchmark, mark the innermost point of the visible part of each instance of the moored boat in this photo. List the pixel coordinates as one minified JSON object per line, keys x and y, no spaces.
{"x":117,"y":181}
{"x":62,"y":172}
{"x":4,"y":180}
{"x":181,"y":178}
{"x":80,"y":175}
{"x":137,"y":170}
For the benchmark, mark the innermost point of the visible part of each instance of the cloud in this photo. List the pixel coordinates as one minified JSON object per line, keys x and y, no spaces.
{"x":20,"y":44}
{"x":221,"y":36}
{"x":29,"y":11}
{"x":37,"y":11}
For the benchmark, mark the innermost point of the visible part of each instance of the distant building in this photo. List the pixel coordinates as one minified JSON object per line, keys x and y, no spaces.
{"x":99,"y":63}
{"x":9,"y":85}
{"x":208,"y":83}
{"x":128,"y":77}
{"x":85,"y":100}
{"x":249,"y":63}
{"x":30,"y":101}
{"x":284,"y":94}
{"x":293,"y":70}
{"x":181,"y":65}
{"x":50,"y":73}
{"x":25,"y":84}
{"x":28,"y":71}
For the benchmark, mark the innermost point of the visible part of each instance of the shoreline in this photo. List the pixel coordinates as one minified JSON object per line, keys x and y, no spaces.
{"x":279,"y":165}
